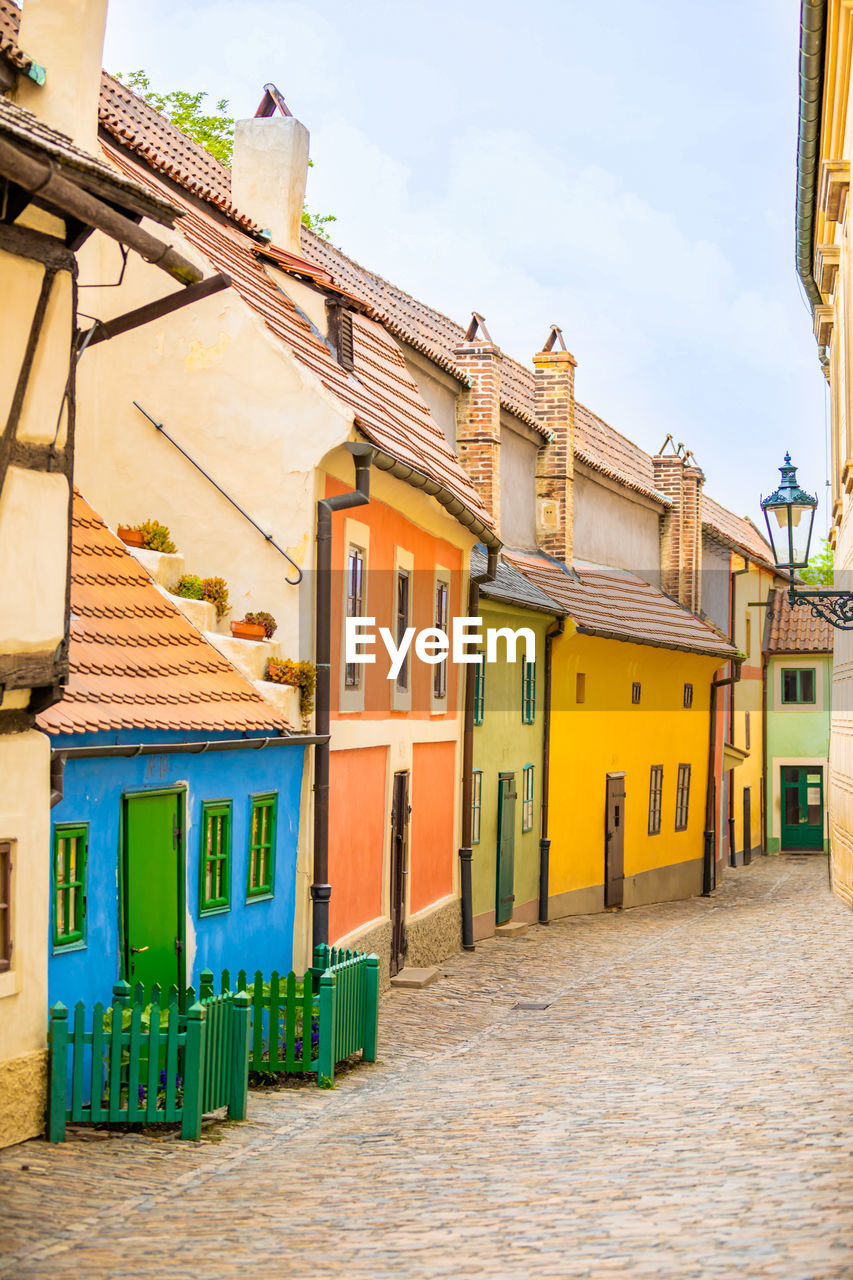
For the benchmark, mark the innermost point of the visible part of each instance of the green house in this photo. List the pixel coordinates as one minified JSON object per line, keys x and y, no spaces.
{"x":797,"y":700}
{"x":509,"y":741}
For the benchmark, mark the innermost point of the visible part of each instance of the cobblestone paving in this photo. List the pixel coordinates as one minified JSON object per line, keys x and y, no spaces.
{"x":682,"y":1108}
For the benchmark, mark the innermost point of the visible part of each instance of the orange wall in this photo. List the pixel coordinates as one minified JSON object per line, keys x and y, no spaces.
{"x":390,"y":529}
{"x":356,"y":836}
{"x":431,"y":833}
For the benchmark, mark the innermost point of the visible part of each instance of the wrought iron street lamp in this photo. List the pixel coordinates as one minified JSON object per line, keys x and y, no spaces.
{"x":790,"y":513}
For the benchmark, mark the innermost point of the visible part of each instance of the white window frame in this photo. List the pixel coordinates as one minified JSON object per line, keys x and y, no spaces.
{"x":357,"y":535}
{"x":527,"y":800}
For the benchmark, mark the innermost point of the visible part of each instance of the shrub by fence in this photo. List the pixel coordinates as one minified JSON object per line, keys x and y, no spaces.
{"x":141,"y":1063}
{"x":309,"y":1024}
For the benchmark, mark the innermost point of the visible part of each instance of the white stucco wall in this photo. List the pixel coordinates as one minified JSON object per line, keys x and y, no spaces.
{"x":614,"y":528}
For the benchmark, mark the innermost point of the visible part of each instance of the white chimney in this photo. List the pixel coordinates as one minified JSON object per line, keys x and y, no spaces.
{"x":268,"y":175}
{"x":67,"y":38}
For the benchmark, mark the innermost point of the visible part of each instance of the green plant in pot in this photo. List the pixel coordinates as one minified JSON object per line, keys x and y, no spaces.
{"x":302,"y":675}
{"x":255,"y":626}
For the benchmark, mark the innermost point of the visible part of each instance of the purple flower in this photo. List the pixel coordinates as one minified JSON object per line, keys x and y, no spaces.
{"x":163,"y":1078}
{"x":142,"y":1093}
{"x":297,"y":1048}
{"x":179,"y":1084}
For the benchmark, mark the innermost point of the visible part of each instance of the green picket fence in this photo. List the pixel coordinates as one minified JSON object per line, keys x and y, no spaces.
{"x":309,"y":1024}
{"x":142,"y":1063}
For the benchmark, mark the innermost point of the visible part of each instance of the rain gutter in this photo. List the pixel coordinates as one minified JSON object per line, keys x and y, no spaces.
{"x":455,"y":506}
{"x":812,"y":48}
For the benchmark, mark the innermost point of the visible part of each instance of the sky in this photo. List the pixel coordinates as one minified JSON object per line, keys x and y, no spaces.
{"x":625,"y":171}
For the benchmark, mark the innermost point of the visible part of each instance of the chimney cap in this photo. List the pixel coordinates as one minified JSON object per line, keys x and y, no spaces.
{"x":273,"y":99}
{"x":555,"y":335}
{"x":477,"y":325}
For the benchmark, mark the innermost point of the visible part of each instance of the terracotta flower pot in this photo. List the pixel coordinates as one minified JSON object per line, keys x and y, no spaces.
{"x":131,"y":537}
{"x":247,"y":631}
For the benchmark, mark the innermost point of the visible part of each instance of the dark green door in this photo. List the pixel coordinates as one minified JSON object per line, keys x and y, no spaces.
{"x":153,"y":889}
{"x":505,"y":894}
{"x":802,"y":807}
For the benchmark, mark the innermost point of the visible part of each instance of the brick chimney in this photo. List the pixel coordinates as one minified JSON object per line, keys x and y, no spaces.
{"x":270,"y":168}
{"x":67,"y":38}
{"x":478,"y":415}
{"x":555,"y":464}
{"x":680,"y":479}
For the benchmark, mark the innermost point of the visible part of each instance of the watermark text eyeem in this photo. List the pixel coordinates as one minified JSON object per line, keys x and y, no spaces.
{"x":432,"y":645}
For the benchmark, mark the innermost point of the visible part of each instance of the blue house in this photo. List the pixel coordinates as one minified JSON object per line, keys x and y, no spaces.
{"x":176,"y":792}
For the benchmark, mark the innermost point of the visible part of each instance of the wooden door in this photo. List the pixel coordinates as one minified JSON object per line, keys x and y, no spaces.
{"x":802,"y":807}
{"x":614,"y":841}
{"x":747,"y":826}
{"x":505,"y":878}
{"x":399,"y":869}
{"x":154,"y":890}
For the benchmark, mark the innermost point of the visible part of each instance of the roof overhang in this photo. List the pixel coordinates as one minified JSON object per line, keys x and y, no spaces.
{"x":452,"y":504}
{"x":733,"y":757}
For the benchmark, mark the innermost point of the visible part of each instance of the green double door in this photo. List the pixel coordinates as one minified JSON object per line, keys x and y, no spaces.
{"x":505,"y":886}
{"x":153,"y":868}
{"x":802,"y":807}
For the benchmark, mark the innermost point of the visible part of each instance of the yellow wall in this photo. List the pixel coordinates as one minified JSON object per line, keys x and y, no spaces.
{"x":750,"y":588}
{"x":607,"y":734}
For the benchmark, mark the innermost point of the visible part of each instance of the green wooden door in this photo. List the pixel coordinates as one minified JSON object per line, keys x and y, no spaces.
{"x":802,"y":807}
{"x":153,"y":889}
{"x":505,"y":889}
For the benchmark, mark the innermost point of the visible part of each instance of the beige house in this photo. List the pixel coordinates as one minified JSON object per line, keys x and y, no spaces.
{"x":54,"y":194}
{"x":825,"y":266}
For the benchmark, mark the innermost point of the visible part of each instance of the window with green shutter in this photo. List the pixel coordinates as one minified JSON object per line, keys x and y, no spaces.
{"x":215,"y":857}
{"x":262,"y":846}
{"x":480,"y":689}
{"x":70,"y":847}
{"x":528,"y":691}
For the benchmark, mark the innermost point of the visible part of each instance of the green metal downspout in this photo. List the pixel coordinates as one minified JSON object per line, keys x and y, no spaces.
{"x":812,"y":47}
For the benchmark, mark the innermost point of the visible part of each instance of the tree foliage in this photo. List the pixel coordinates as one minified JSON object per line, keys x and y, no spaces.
{"x":213,"y":131}
{"x":819,"y":570}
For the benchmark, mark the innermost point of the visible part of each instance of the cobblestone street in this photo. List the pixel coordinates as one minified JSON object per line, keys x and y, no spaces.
{"x":682,"y":1108}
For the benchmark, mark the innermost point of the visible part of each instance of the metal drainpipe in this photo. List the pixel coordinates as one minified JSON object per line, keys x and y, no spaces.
{"x":466,"y":852}
{"x":544,"y":841}
{"x":321,"y":890}
{"x":735,"y":573}
{"x":708,"y":861}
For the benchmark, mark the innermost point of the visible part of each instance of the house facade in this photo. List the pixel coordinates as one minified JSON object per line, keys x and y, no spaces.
{"x":823,"y":252}
{"x":798,"y":684}
{"x":55,"y":191}
{"x":176,"y":791}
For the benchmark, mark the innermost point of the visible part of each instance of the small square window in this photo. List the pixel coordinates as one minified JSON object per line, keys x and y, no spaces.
{"x":636,"y":693}
{"x":527,"y":799}
{"x":688,"y":696}
{"x":798,"y":684}
{"x":580,"y":687}
{"x":476,"y":804}
{"x":70,"y":848}
{"x":262,"y":846}
{"x":215,"y":858}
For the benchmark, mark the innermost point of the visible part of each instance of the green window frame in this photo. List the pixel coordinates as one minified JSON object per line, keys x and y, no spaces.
{"x":799,"y":684}
{"x":682,"y":797}
{"x":528,"y":692}
{"x":476,"y":804}
{"x":480,"y":689}
{"x":70,"y":862}
{"x":527,"y":798}
{"x":214,"y":888}
{"x":260,"y":876}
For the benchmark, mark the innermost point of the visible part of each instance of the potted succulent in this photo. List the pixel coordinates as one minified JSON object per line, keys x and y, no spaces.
{"x":255,"y":626}
{"x":150,"y":534}
{"x":302,"y":675}
{"x":213,"y":590}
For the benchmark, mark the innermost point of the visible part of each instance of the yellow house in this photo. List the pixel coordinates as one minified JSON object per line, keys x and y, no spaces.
{"x":629,"y":743}
{"x":825,"y":267}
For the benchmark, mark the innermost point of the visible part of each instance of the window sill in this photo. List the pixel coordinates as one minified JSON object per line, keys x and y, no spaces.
{"x":259,"y":897}
{"x":62,"y":948}
{"x":214,"y":911}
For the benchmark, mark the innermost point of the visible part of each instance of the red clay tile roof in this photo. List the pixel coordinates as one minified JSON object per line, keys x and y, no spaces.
{"x":382,"y":395}
{"x":135,"y":660}
{"x":618,"y":606}
{"x":737,"y":532}
{"x":794,"y":628}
